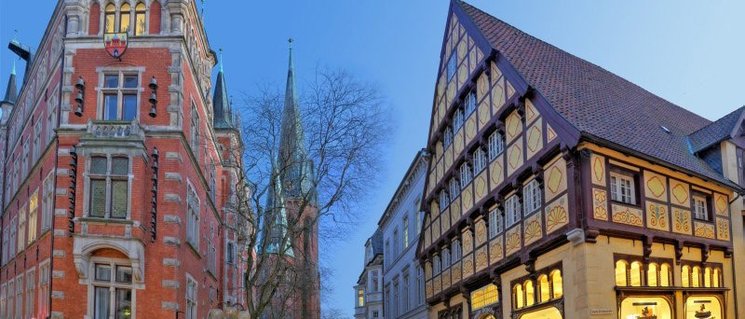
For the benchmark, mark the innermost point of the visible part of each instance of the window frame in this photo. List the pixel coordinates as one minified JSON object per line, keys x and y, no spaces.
{"x":108,"y":178}
{"x":707,"y":206}
{"x":120,"y":91}
{"x":616,"y":190}
{"x":191,"y":310}
{"x":512,"y":211}
{"x":532,"y":197}
{"x":495,"y":146}
{"x":451,"y":67}
{"x":143,"y":12}
{"x":496,"y":218}
{"x":193,"y":210}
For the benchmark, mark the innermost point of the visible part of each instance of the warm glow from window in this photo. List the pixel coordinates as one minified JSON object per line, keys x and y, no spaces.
{"x":140,"y":18}
{"x":696,"y":277}
{"x":110,"y":18}
{"x":485,"y":296}
{"x":360,"y":298}
{"x":557,"y":284}
{"x":652,"y":275}
{"x":124,"y":18}
{"x":544,"y":290}
{"x":636,"y":274}
{"x":517,"y":293}
{"x":716,"y":278}
{"x":707,"y":277}
{"x":665,"y":275}
{"x":685,"y":274}
{"x":529,"y":293}
{"x":621,"y":274}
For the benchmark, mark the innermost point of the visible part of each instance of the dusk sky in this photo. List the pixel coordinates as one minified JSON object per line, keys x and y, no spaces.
{"x":688,"y":52}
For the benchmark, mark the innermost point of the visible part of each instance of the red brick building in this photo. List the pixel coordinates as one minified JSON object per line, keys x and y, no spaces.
{"x":120,"y":173}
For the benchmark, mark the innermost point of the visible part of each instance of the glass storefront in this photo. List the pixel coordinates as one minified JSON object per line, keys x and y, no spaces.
{"x":646,"y":308}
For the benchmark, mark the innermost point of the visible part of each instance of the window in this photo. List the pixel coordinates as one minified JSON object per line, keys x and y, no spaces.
{"x":194,"y":130}
{"x":447,"y":138}
{"x":6,"y":234}
{"x":109,"y":187}
{"x":543,"y":290}
{"x":212,"y":251}
{"x":13,"y":237}
{"x":529,"y":293}
{"x":30,"y":292}
{"x":110,"y":18}
{"x":360,"y":297}
{"x":436,"y":266}
{"x":51,"y":124}
{"x":420,"y":285}
{"x":124,"y":17}
{"x":465,"y":175}
{"x":396,"y":302}
{"x":445,"y":258}
{"x":532,"y":197}
{"x":375,"y":314}
{"x":140,"y":18}
{"x":479,"y":160}
{"x":622,"y":188}
{"x":374,"y":285}
{"x":191,"y":298}
{"x":37,"y":141}
{"x":419,"y":221}
{"x":457,"y":251}
{"x":457,"y":119}
{"x":229,"y":253}
{"x":700,"y":207}
{"x":685,"y":276}
{"x":484,"y":296}
{"x":21,"y":229}
{"x":454,"y":186}
{"x":635,"y":274}
{"x":19,"y":297}
{"x":11,"y":300}
{"x":451,"y":66}
{"x":405,"y":293}
{"x":33,"y":213}
{"x":470,"y":103}
{"x":120,"y":96}
{"x":557,"y":284}
{"x":3,"y":298}
{"x":496,"y":222}
{"x":512,"y":210}
{"x":192,"y":222}
{"x":213,"y":185}
{"x":112,"y":291}
{"x":47,"y":203}
{"x":43,"y":289}
{"x":496,"y":145}
{"x":406,"y":231}
{"x":622,"y":273}
{"x":444,"y":200}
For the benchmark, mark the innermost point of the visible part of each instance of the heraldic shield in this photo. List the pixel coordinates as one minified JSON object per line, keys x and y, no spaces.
{"x":115,"y":43}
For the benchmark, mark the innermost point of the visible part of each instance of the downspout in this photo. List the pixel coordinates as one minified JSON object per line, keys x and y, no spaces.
{"x":734,"y":273}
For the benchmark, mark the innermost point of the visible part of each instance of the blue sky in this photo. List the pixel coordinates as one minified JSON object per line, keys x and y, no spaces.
{"x":688,"y":52}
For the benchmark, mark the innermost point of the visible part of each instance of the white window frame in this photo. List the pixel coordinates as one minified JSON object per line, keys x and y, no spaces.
{"x":624,"y":192}
{"x":120,"y":91}
{"x":33,"y":216}
{"x":532,"y":197}
{"x":451,"y":68}
{"x":454,"y":188}
{"x":405,"y":228}
{"x":700,"y":207}
{"x":192,"y":298}
{"x":22,"y":220}
{"x":47,"y":202}
{"x":513,"y":213}
{"x":496,"y":145}
{"x":44,"y":275}
{"x":457,"y":251}
{"x":465,"y":175}
{"x":112,"y":284}
{"x":479,"y":160}
{"x":19,"y":297}
{"x":458,"y":119}
{"x":444,"y":200}
{"x":445,"y":258}
{"x":496,"y":222}
{"x":447,"y":138}
{"x":470,"y":103}
{"x":193,"y":208}
{"x":30,"y":292}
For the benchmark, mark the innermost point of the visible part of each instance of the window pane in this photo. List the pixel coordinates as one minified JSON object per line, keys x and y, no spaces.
{"x":124,"y":18}
{"x":123,"y":274}
{"x":119,"y":199}
{"x":98,"y":165}
{"x":130,"y":81}
{"x":103,"y":272}
{"x":111,"y":81}
{"x":98,"y":198}
{"x":119,"y":166}
{"x":102,"y":303}
{"x":129,"y":107}
{"x":109,"y":107}
{"x":123,"y":304}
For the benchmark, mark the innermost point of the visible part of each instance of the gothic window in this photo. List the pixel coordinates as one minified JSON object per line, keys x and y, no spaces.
{"x":192,"y":218}
{"x":532,"y":197}
{"x":140,"y":19}
{"x":191,"y":298}
{"x":120,"y":96}
{"x":112,"y":290}
{"x":124,"y":17}
{"x":496,"y":145}
{"x":110,"y":18}
{"x":109,"y":187}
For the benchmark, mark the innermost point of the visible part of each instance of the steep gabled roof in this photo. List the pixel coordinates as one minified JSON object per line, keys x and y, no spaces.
{"x":602,"y":106}
{"x":11,"y":92}
{"x":721,"y":129}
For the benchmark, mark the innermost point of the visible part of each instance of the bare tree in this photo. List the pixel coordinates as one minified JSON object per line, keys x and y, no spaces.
{"x":291,"y":196}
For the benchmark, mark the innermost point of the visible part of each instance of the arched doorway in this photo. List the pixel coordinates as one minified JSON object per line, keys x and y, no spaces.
{"x":708,"y":307}
{"x":547,"y":313}
{"x":646,"y":307}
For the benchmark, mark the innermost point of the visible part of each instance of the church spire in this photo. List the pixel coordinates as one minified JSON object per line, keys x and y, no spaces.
{"x":220,"y":102}
{"x":11,"y":92}
{"x":275,"y":219}
{"x":296,"y":169}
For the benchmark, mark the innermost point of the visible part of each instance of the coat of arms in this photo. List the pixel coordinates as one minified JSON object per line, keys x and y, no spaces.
{"x":115,"y":43}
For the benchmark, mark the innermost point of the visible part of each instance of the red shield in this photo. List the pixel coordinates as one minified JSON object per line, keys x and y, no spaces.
{"x":115,"y":43}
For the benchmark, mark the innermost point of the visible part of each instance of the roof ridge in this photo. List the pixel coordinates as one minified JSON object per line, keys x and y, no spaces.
{"x":719,"y":120}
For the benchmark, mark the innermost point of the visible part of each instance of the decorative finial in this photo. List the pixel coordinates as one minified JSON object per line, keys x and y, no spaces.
{"x":15,"y":35}
{"x":290,"y":40}
{"x":220,"y":59}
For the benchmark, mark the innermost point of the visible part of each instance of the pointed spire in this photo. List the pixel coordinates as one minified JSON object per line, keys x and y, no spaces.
{"x":220,"y":100}
{"x":296,"y":169}
{"x":11,"y":92}
{"x":275,"y":219}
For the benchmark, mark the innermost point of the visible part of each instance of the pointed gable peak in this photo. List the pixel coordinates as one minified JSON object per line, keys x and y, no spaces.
{"x":222,"y":109}
{"x":11,"y":91}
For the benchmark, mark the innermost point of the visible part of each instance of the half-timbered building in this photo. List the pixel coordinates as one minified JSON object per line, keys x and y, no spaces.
{"x":557,"y":189}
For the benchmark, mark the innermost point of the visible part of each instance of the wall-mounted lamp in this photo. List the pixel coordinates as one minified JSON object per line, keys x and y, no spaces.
{"x":79,"y":97}
{"x":153,"y":97}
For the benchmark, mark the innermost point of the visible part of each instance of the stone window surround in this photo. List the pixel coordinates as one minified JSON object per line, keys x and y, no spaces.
{"x":84,"y":246}
{"x":89,"y":280}
{"x":109,"y":154}
{"x":99,"y":89}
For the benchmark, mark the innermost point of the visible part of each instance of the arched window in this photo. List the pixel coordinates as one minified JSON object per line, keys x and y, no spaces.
{"x":124,"y":15}
{"x":652,"y":275}
{"x":665,"y":275}
{"x":140,"y":19}
{"x":685,"y":275}
{"x":545,"y":292}
{"x":636,"y":274}
{"x":517,"y":296}
{"x":707,"y":277}
{"x":110,"y":18}
{"x":696,"y":277}
{"x":716,"y":282}
{"x":529,"y":293}
{"x":557,"y":284}
{"x":621,"y":273}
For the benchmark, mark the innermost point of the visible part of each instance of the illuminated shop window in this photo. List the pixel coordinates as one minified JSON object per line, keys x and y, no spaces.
{"x":621,"y":273}
{"x":636,"y":274}
{"x":484,"y":296}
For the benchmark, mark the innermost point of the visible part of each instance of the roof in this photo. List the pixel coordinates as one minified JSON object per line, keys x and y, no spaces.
{"x":11,"y":92}
{"x":601,"y":105}
{"x":221,"y":103}
{"x":377,"y":242}
{"x":719,"y":130}
{"x":398,"y":195}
